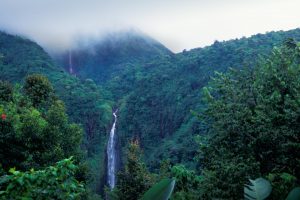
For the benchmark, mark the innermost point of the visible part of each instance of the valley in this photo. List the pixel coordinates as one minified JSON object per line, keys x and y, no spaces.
{"x":138,"y":102}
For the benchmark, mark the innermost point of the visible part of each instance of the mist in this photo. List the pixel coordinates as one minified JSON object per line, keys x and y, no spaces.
{"x":57,"y":25}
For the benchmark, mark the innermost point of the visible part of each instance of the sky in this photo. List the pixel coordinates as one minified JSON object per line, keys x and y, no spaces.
{"x":178,"y":24}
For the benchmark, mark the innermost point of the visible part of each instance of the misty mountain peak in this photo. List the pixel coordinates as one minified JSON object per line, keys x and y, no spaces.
{"x":98,"y":58}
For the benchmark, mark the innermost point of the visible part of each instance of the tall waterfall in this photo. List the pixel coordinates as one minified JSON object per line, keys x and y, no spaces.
{"x":70,"y":63}
{"x":111,"y":155}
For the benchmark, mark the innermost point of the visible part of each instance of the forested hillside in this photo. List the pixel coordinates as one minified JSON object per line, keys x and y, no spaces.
{"x":36,"y":133}
{"x":250,"y":128}
{"x":102,"y":59}
{"x":156,"y":90}
{"x":156,"y":96}
{"x":251,"y":117}
{"x":211,"y":117}
{"x":86,"y":103}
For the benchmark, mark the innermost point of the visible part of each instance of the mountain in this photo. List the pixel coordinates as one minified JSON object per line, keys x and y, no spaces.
{"x":157,"y":106}
{"x":86,"y":103}
{"x":154,"y":89}
{"x":102,"y":59}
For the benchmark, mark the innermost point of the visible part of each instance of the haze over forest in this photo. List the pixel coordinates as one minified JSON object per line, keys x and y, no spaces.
{"x":176,"y":24}
{"x":151,"y":100}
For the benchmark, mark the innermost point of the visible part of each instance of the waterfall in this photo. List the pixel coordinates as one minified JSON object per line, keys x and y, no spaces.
{"x":111,"y":155}
{"x":70,"y":63}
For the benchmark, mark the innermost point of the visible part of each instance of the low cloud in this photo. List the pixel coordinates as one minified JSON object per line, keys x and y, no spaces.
{"x":178,"y":24}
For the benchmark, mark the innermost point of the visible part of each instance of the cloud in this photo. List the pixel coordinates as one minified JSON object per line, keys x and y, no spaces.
{"x":177,"y":24}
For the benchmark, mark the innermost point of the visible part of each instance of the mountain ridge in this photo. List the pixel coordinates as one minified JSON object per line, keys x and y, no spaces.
{"x":154,"y":94}
{"x":100,"y":58}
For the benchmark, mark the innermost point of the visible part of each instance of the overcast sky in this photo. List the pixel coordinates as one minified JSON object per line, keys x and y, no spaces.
{"x":178,"y":24}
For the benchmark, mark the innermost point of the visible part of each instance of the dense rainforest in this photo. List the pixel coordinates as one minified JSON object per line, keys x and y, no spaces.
{"x":211,"y":118}
{"x":156,"y":96}
{"x":85,"y":102}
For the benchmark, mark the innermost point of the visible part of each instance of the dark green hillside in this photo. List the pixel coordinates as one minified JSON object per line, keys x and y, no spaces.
{"x":20,"y":56}
{"x":156,"y":93}
{"x":102,"y":59}
{"x":86,"y":103}
{"x":156,"y":89}
{"x":157,"y":110}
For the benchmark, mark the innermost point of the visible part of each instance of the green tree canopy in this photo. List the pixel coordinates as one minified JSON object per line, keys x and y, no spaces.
{"x":40,"y":136}
{"x":135,"y":179}
{"x":55,"y":182}
{"x":38,"y":88}
{"x":254,"y":123}
{"x":6,"y":91}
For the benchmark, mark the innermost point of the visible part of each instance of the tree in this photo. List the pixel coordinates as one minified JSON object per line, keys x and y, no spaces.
{"x":38,"y":88}
{"x":187,"y":183}
{"x":40,"y":136}
{"x":6,"y":91}
{"x":61,"y":131}
{"x":254,"y":123}
{"x":135,"y":179}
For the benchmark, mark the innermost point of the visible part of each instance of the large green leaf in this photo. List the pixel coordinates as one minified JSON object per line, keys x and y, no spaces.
{"x":160,"y":191}
{"x":294,"y":194}
{"x":259,"y":189}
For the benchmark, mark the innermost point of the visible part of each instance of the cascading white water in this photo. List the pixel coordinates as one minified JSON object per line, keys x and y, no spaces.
{"x":70,"y":63}
{"x":111,"y":155}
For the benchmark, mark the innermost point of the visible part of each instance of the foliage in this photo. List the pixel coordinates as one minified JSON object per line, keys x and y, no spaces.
{"x":157,"y":95}
{"x":39,"y":136}
{"x":251,"y":115}
{"x":6,"y":91}
{"x":134,"y":180}
{"x":187,"y":183}
{"x":160,"y":191}
{"x":38,"y":89}
{"x":86,"y":103}
{"x":21,"y":58}
{"x":282,"y":183}
{"x":254,"y":127}
{"x":259,"y":189}
{"x":55,"y":182}
{"x":89,"y":110}
{"x":107,"y":57}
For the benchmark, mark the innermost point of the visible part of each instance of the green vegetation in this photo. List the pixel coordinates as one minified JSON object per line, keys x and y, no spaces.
{"x":38,"y":89}
{"x":55,"y":182}
{"x":254,"y":127}
{"x":105,"y":58}
{"x":187,"y":183}
{"x":160,"y":191}
{"x":36,"y":133}
{"x":86,"y":103}
{"x":209,"y":119}
{"x":135,"y":179}
{"x":40,"y":135}
{"x":261,"y":188}
{"x":158,"y":95}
